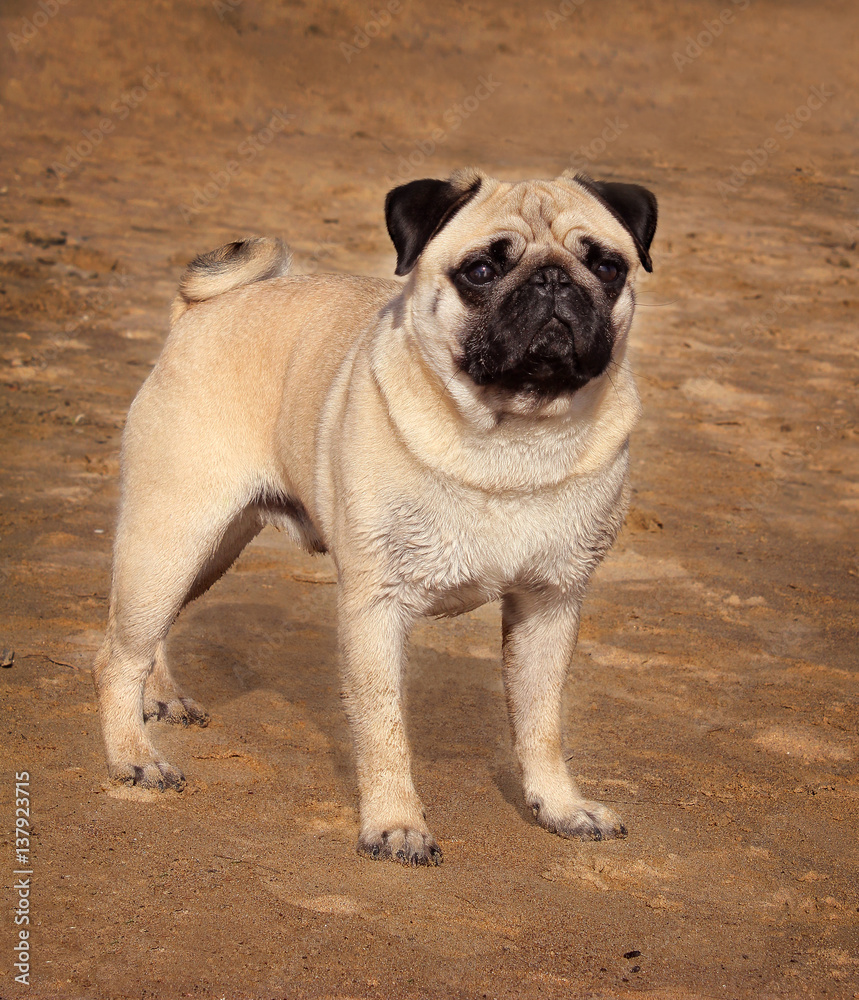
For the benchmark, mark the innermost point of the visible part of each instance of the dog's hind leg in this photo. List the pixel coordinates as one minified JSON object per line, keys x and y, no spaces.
{"x":170,"y":548}
{"x":163,"y":700}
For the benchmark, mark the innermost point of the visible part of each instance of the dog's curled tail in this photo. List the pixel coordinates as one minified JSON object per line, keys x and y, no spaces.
{"x":230,"y":266}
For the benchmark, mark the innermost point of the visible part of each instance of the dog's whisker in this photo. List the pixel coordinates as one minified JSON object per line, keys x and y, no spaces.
{"x":656,"y":305}
{"x":637,"y":374}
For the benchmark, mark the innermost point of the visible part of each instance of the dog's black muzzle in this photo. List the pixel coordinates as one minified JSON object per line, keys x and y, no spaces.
{"x":548,"y":336}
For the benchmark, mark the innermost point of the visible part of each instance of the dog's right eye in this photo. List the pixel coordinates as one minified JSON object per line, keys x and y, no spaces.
{"x":480,"y":273}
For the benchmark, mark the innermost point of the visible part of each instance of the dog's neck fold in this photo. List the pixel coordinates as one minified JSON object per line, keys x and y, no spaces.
{"x":448,"y":425}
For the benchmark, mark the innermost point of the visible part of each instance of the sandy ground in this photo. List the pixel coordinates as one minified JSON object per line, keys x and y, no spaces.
{"x":712,"y":699}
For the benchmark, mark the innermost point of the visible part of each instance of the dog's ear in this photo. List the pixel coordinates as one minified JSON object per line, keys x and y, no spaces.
{"x":633,"y":206}
{"x":416,"y":211}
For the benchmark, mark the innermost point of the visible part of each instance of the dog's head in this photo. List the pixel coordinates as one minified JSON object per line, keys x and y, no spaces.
{"x":524,"y":288}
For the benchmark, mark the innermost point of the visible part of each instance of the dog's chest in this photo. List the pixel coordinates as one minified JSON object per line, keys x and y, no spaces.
{"x":458,"y":550}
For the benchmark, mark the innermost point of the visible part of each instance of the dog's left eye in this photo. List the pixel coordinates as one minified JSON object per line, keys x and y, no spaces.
{"x":480,"y":273}
{"x":606,"y":271}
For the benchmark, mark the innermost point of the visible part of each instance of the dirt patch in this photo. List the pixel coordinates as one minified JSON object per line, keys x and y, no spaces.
{"x":713,"y":697}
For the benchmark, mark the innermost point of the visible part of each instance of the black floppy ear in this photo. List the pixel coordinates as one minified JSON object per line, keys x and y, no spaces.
{"x":416,"y":211}
{"x":631,"y":205}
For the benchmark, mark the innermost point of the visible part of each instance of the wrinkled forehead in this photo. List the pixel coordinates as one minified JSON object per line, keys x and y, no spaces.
{"x":542,"y":214}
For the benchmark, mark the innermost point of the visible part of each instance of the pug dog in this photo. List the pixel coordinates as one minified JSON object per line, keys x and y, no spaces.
{"x":455,"y":439}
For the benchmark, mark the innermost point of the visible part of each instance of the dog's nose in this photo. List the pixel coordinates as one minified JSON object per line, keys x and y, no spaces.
{"x":550,"y":276}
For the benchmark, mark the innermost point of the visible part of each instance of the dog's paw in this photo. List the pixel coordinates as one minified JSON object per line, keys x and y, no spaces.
{"x":588,"y":821}
{"x":156,"y":774}
{"x":179,"y":711}
{"x":404,"y":845}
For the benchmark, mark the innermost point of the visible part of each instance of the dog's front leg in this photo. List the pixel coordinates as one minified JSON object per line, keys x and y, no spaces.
{"x":373,"y":634}
{"x":540,"y":631}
